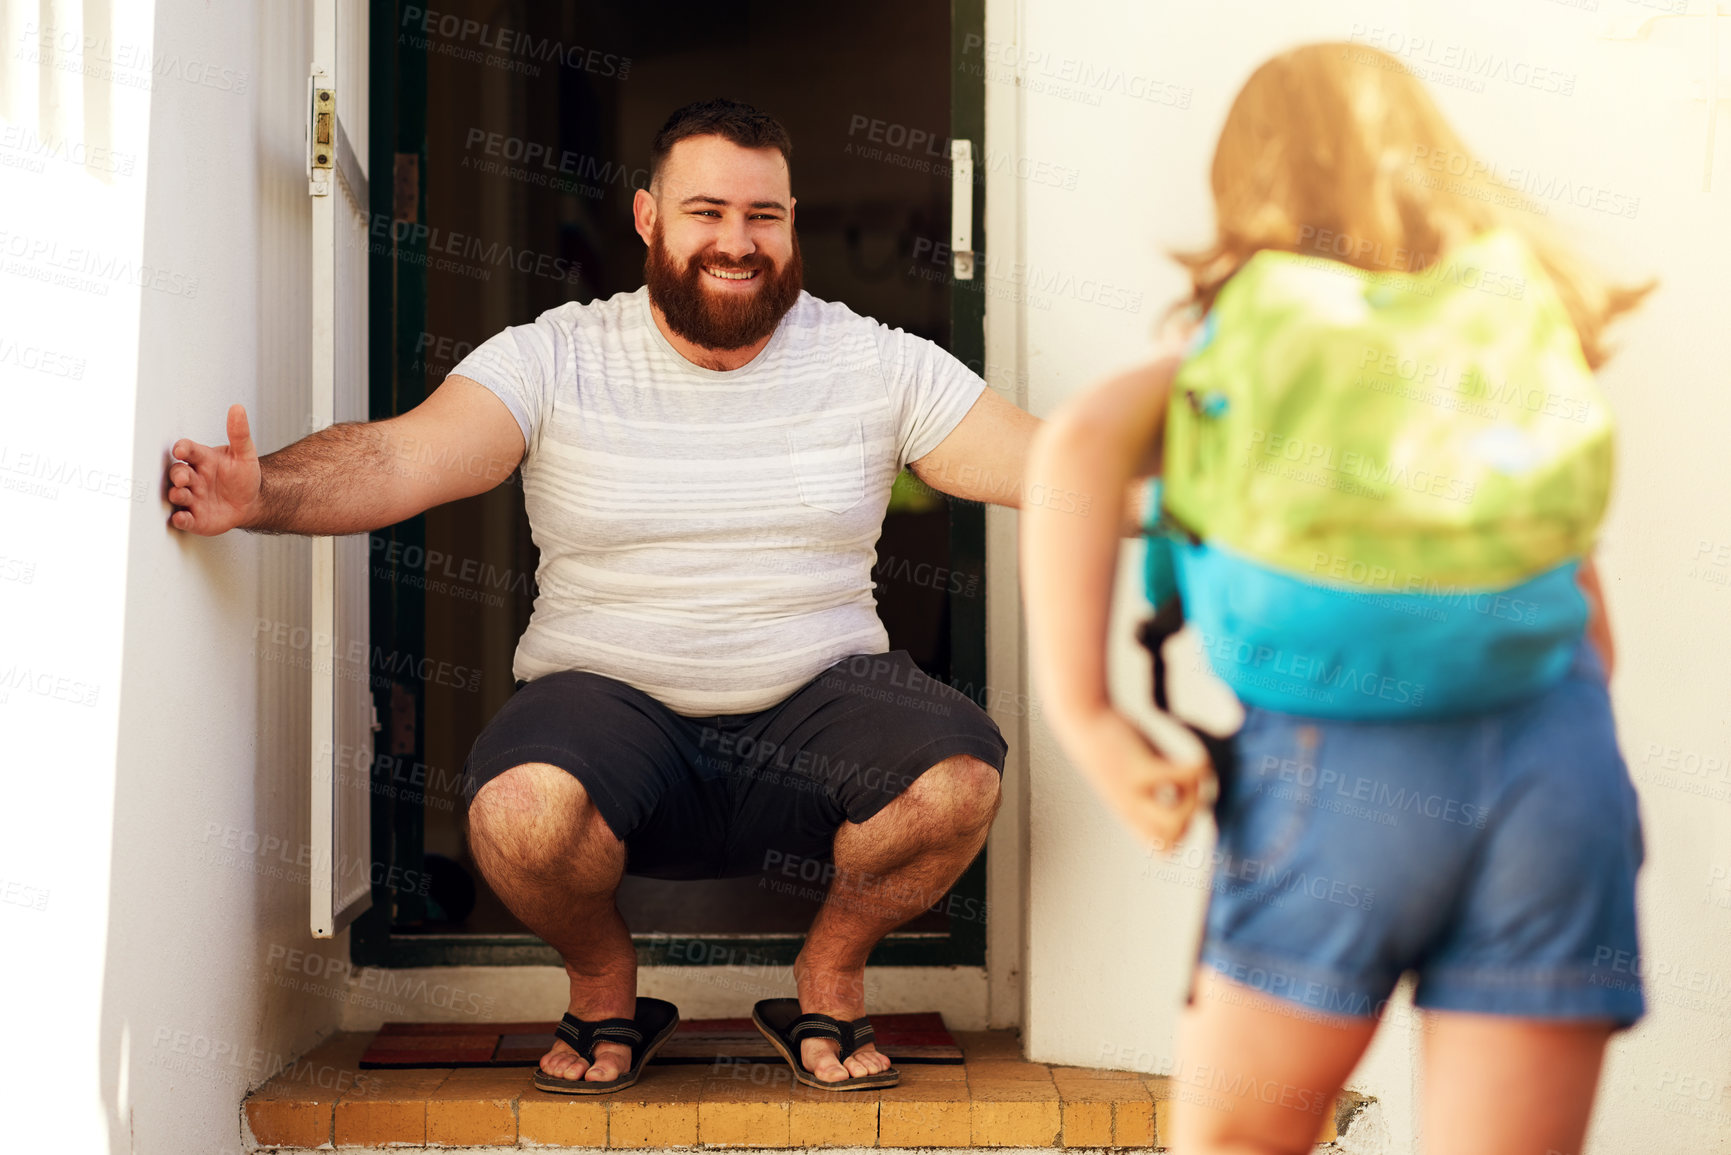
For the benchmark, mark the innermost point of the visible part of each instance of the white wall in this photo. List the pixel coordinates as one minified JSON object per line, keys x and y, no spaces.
{"x":165,"y":820}
{"x":152,"y":982}
{"x":1112,"y":933}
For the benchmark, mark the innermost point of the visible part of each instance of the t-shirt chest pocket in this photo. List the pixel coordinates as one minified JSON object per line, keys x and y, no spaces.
{"x":828,"y":459}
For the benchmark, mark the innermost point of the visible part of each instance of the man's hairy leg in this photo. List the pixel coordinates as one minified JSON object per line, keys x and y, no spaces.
{"x":888,"y":869}
{"x":548,"y":855}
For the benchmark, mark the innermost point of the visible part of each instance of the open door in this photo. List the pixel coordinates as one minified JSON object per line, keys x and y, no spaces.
{"x":342,"y":714}
{"x":885,"y":222}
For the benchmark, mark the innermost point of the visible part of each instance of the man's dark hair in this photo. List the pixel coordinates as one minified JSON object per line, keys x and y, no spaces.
{"x":729,"y":119}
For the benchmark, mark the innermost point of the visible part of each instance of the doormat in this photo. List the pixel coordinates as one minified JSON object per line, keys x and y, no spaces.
{"x":913,"y":1038}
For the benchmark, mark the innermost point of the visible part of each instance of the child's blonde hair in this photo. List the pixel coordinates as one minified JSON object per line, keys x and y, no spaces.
{"x":1337,"y":150}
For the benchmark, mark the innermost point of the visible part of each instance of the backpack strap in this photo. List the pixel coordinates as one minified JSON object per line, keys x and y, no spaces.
{"x":1153,"y":633}
{"x":1159,"y":530}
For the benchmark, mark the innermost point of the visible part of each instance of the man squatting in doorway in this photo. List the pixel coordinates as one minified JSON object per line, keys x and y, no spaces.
{"x":706,"y":465}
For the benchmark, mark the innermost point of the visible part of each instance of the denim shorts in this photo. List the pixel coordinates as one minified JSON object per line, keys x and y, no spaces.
{"x":1493,"y":854}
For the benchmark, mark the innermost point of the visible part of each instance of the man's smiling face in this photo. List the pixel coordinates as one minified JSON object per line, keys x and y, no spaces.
{"x":723,"y":264}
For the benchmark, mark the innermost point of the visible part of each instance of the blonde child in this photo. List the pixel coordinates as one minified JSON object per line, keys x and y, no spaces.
{"x":1505,"y":896}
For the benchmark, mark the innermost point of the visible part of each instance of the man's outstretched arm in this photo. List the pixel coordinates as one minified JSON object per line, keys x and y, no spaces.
{"x":352,"y":477}
{"x":984,"y":457}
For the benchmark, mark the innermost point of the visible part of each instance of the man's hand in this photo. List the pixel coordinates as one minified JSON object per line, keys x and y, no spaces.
{"x":1153,"y":796}
{"x":351,"y":477}
{"x":215,"y":487}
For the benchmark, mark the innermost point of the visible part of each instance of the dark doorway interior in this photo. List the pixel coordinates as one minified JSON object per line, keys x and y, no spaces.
{"x":527,"y":126}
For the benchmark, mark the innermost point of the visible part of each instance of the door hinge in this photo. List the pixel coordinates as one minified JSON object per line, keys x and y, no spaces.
{"x":321,"y":132}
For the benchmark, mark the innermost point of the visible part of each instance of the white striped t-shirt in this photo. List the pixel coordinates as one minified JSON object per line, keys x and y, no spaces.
{"x":705,"y":536}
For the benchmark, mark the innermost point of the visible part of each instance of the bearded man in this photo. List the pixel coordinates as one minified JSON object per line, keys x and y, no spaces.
{"x":706,"y":465}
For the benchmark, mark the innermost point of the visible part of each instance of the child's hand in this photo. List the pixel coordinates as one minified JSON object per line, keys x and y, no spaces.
{"x":1155,"y":797}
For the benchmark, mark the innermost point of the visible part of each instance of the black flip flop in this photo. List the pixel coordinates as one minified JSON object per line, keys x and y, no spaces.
{"x":654,"y":1024}
{"x":781,"y":1023}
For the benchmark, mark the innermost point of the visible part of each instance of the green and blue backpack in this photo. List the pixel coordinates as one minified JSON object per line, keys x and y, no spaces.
{"x":1378,"y":487}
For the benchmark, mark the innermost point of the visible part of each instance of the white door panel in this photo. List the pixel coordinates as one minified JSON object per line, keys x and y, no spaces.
{"x":342,"y":711}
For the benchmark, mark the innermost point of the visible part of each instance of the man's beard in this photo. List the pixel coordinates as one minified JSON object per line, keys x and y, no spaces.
{"x":720,"y":320}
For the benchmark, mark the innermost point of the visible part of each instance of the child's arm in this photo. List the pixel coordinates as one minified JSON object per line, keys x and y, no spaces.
{"x":1094,"y":445}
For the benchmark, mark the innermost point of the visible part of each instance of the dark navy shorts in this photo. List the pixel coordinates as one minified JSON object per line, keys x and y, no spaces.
{"x":1494,"y":855}
{"x":721,"y":796}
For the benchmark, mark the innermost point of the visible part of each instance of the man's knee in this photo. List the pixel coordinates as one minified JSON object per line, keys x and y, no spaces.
{"x":962,"y":791}
{"x":532,"y":805}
